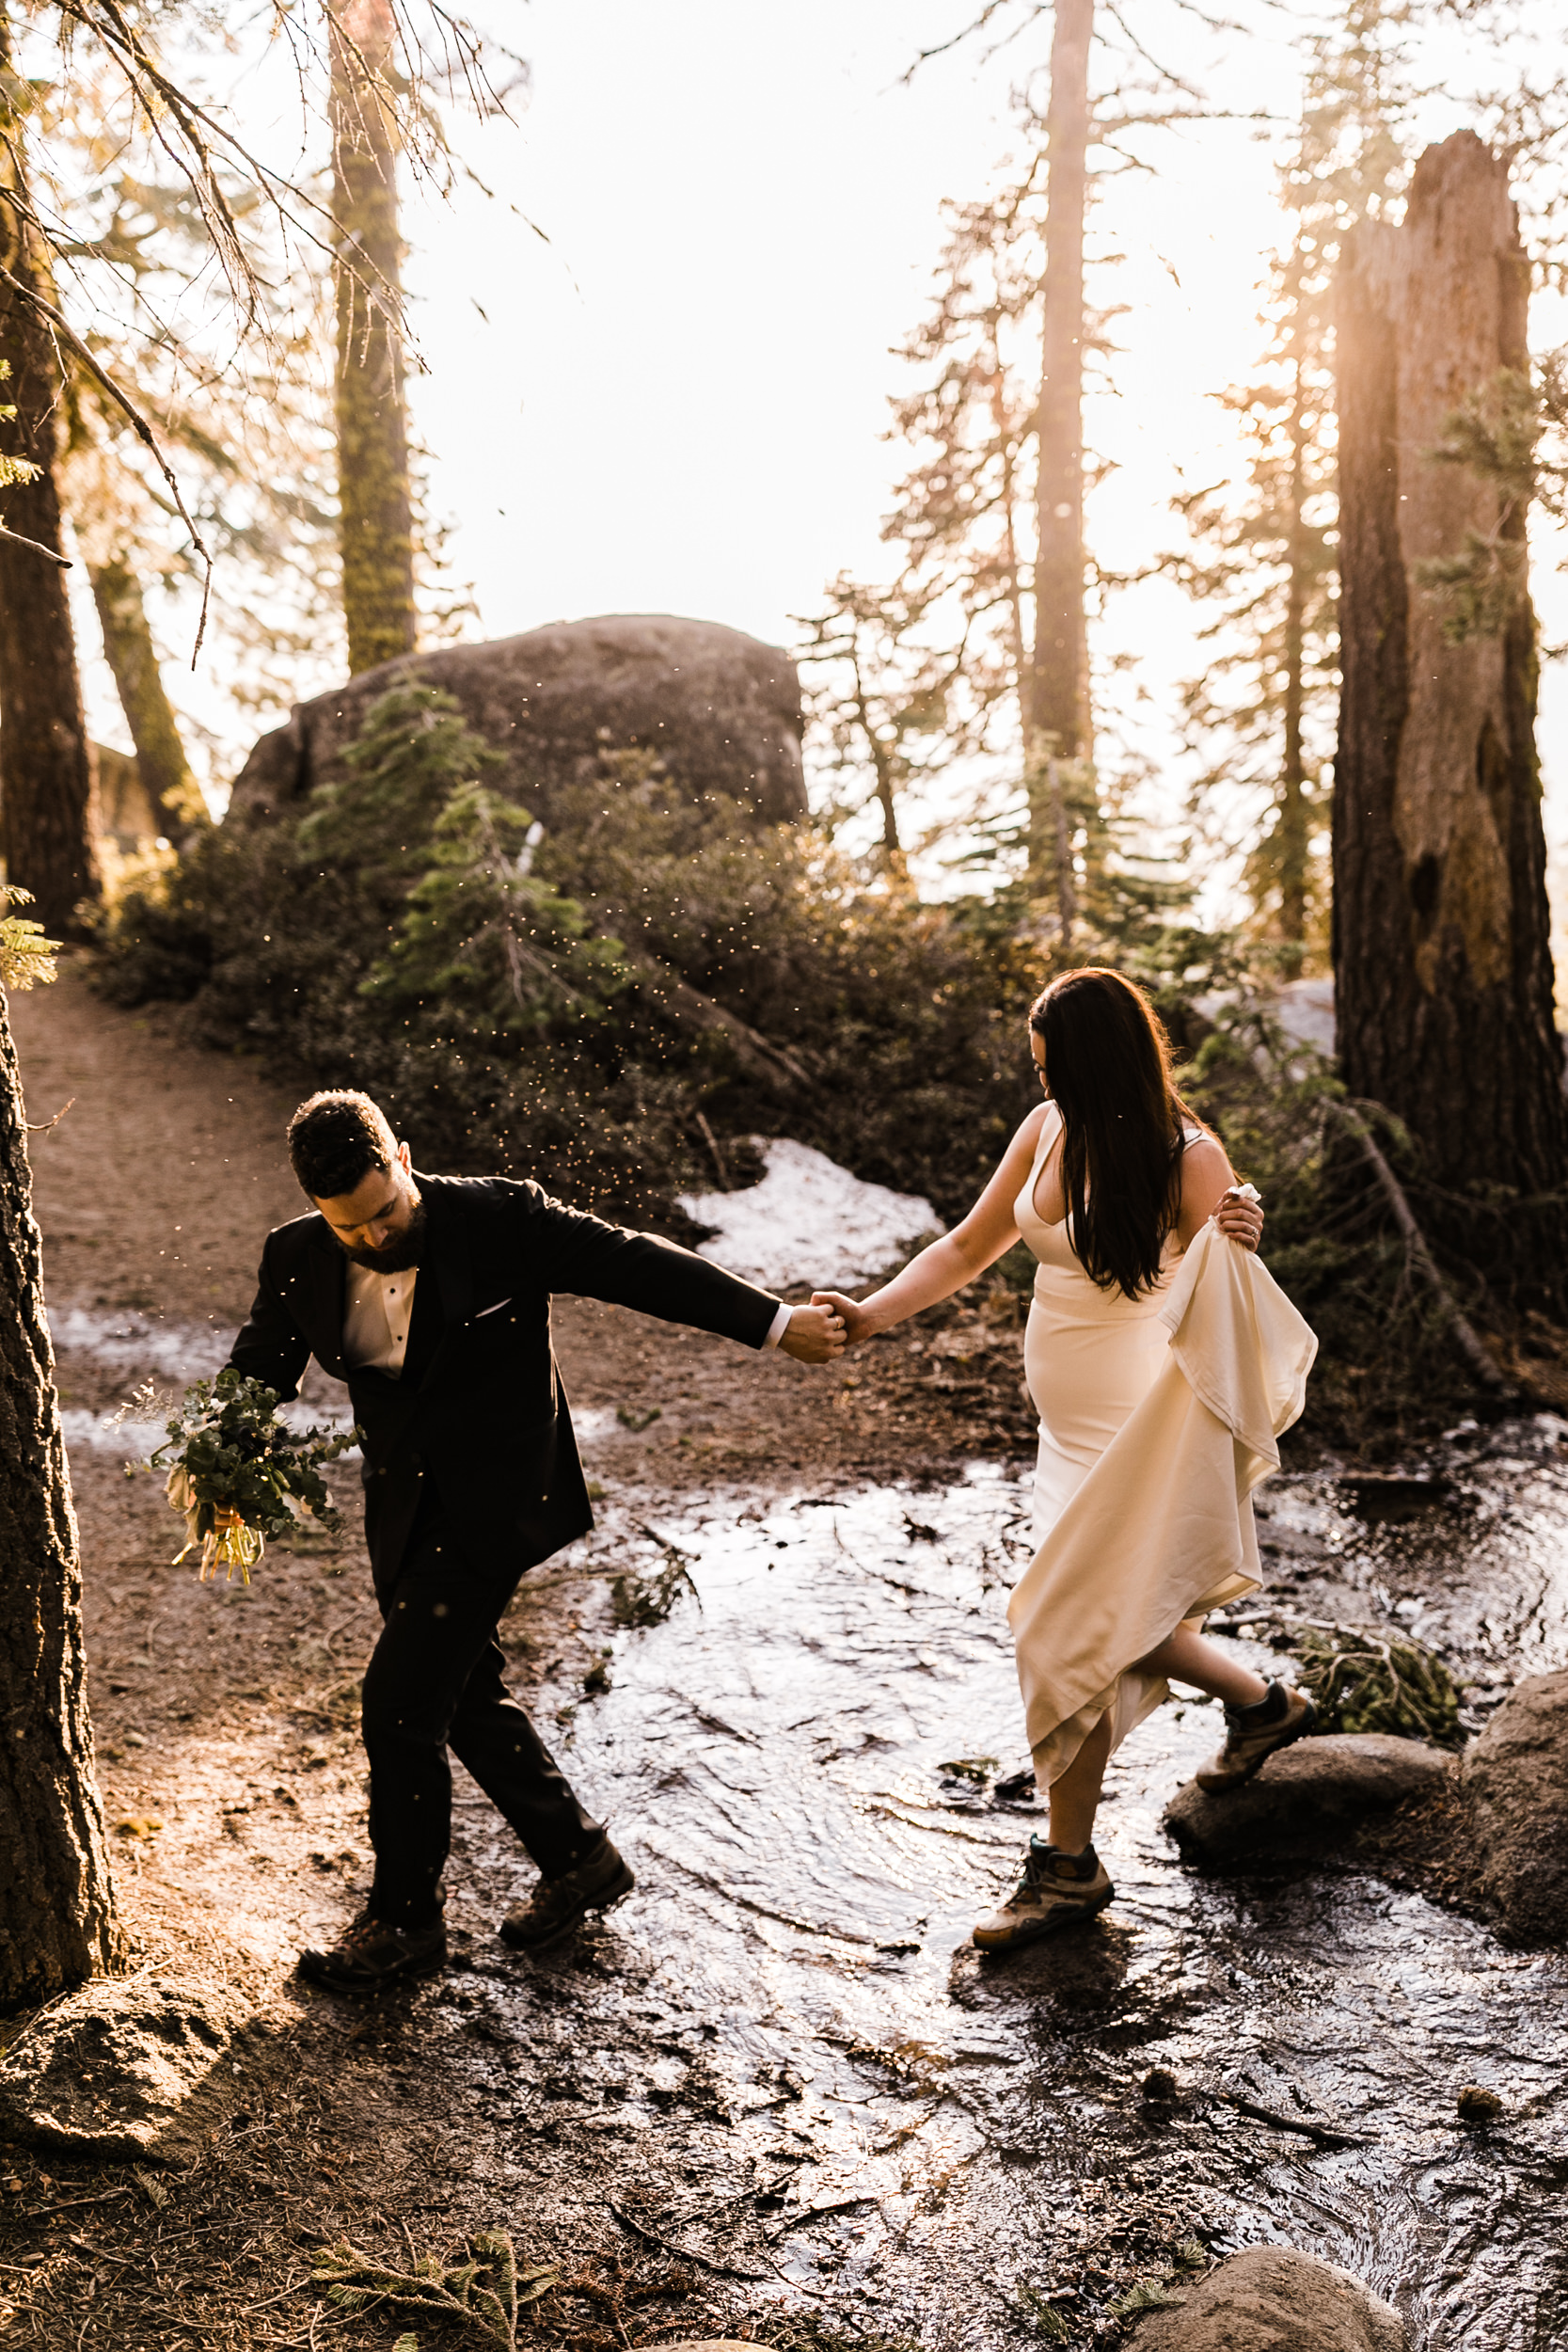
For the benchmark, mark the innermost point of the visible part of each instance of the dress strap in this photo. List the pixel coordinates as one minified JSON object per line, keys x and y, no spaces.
{"x":1051,"y":1127}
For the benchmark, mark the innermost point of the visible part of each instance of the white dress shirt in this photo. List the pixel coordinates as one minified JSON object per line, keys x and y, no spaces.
{"x":378,"y":1307}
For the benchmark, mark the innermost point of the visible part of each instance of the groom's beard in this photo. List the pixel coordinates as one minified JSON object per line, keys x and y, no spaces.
{"x":397,"y":1255}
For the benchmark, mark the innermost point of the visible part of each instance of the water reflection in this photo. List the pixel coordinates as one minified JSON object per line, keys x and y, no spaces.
{"x":803,"y":1766}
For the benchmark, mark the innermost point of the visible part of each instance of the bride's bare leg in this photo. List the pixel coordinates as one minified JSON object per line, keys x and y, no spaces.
{"x":1075,"y":1798}
{"x":1185,"y":1656}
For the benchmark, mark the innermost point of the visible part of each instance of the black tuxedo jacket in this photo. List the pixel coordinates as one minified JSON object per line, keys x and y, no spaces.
{"x":478,"y":1414}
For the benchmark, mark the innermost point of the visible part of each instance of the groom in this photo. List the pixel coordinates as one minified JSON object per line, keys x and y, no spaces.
{"x":430,"y":1296}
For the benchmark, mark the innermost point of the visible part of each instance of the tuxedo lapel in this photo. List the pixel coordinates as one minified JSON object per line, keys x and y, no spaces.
{"x":444,"y":1294}
{"x":325,"y":1303}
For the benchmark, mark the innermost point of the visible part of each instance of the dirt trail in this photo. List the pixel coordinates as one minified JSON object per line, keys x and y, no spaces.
{"x":226,"y":1717}
{"x":156,"y":1188}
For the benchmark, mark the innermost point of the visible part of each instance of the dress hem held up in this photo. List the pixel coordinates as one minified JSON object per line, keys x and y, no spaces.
{"x":1159,"y":1531}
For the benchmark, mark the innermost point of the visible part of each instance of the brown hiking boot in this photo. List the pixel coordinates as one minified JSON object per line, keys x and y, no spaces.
{"x":1056,"y":1890}
{"x":557,"y":1904}
{"x":370,"y":1953}
{"x":1253,"y":1733}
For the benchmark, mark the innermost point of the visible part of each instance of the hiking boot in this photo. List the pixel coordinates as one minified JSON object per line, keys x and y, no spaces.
{"x":1253,"y":1733}
{"x":370,"y":1953}
{"x":1057,"y":1890}
{"x":557,"y":1904}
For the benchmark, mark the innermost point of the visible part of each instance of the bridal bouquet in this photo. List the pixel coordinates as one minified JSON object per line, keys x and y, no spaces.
{"x":235,"y":1470}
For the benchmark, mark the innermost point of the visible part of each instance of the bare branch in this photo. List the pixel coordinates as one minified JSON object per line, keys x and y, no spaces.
{"x":17,"y":540}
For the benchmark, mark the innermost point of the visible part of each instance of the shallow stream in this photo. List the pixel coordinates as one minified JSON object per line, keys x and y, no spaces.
{"x":802,"y":1761}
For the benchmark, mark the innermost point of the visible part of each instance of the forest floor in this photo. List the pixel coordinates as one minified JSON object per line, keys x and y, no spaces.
{"x":227,"y":1760}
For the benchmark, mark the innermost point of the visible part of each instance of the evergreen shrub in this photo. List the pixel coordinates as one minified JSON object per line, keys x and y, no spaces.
{"x":568,"y":1005}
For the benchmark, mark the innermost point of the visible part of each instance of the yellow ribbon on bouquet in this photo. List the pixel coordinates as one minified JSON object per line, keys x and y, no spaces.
{"x":228,"y":1543}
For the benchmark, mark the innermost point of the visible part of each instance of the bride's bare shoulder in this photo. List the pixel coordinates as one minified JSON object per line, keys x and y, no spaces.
{"x":1205,"y":1171}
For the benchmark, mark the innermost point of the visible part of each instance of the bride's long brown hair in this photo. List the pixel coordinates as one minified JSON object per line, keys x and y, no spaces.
{"x":1108,"y":1065}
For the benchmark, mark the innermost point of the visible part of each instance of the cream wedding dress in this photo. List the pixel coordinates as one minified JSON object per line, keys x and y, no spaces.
{"x":1158,"y":1416}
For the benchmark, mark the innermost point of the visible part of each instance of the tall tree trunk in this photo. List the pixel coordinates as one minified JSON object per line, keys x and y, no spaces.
{"x":1292,"y":835}
{"x":374,"y":506}
{"x":57,"y":1919}
{"x":166,"y":776}
{"x":1058,"y":696}
{"x":46,"y":821}
{"x":1441,"y":951}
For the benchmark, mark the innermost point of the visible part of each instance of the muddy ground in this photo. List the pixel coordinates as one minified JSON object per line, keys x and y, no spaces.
{"x":776,"y":2093}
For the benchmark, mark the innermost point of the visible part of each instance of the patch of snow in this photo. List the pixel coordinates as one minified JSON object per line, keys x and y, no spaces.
{"x":133,"y":1440}
{"x":809,"y":1220}
{"x":85,"y":1432}
{"x":176,"y":1351}
{"x":1306,"y":1013}
{"x":1304,"y":1010}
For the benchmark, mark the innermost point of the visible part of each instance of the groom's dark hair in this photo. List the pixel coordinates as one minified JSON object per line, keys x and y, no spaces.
{"x":335,"y":1139}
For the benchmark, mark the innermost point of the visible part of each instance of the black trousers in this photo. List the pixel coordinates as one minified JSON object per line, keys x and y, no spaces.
{"x":436,"y":1681}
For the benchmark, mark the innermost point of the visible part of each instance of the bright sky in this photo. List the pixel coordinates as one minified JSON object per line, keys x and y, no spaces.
{"x":676,"y":403}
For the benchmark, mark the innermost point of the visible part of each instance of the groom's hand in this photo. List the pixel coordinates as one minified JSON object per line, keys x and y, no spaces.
{"x":814,"y":1334}
{"x":856,"y":1323}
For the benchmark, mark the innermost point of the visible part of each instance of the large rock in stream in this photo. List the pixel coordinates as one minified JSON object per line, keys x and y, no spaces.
{"x":1273,"y":2300}
{"x":1307,"y":1799}
{"x":721,"y":709}
{"x":1514,"y":1786}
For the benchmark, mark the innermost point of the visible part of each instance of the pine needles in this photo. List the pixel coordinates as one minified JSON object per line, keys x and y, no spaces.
{"x":485,"y":2288}
{"x":25,"y":956}
{"x":1360,"y":1681}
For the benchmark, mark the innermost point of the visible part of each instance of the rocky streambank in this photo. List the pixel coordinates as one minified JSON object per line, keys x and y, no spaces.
{"x":1487,"y":1829}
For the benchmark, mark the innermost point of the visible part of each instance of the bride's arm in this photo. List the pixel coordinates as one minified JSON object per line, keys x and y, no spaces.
{"x":1208,"y":1189}
{"x":986,"y":1232}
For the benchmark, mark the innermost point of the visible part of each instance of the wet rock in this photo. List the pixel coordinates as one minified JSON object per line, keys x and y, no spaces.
{"x":721,"y":709}
{"x":1306,"y":1797}
{"x":1273,"y":2296}
{"x":1476,"y":2105}
{"x":1514,"y":1781}
{"x":129,"y":2070}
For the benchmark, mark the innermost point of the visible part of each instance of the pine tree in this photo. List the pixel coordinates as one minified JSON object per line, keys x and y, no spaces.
{"x":991,"y":595}
{"x":46,"y":831}
{"x":1262,"y":714}
{"x":881,"y":699}
{"x":375,"y":498}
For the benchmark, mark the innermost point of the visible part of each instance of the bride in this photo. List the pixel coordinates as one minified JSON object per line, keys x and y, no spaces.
{"x":1108,"y":1182}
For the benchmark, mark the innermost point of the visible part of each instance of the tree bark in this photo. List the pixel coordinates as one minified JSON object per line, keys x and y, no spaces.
{"x":58,"y":1916}
{"x":166,"y":776}
{"x":1441,"y":947}
{"x":375,"y":505}
{"x":1059,"y":703}
{"x":1292,"y":831}
{"x":46,"y":818}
